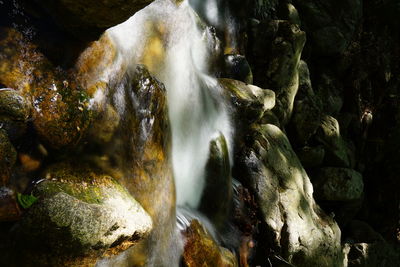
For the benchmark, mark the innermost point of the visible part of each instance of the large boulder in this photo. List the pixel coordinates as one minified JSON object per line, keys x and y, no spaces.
{"x":299,"y":229}
{"x":80,"y":214}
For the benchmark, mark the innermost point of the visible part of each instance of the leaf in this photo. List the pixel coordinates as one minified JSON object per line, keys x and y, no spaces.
{"x":26,"y":200}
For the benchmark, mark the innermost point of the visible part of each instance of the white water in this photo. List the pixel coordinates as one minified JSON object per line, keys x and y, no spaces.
{"x":180,"y":53}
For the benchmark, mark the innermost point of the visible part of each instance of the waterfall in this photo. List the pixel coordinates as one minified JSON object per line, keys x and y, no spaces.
{"x":178,"y":49}
{"x":167,"y":38}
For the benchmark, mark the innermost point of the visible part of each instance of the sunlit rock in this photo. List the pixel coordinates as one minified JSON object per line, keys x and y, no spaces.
{"x":201,"y":250}
{"x":250,"y":101}
{"x":302,"y":233}
{"x":80,"y":215}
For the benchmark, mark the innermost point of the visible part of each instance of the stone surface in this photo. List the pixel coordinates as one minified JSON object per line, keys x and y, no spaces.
{"x":338,"y":152}
{"x":311,"y":157}
{"x":338,"y":184}
{"x":217,"y":195}
{"x":81,"y":213}
{"x":236,"y":67}
{"x":300,"y":230}
{"x":250,"y":101}
{"x":275,"y":49}
{"x":60,"y":109}
{"x":201,"y":250}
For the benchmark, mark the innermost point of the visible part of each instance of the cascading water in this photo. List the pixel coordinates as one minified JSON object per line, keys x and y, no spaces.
{"x":178,"y":49}
{"x":167,"y":39}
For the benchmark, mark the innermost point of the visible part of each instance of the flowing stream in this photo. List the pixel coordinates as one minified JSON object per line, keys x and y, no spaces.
{"x":179,"y":50}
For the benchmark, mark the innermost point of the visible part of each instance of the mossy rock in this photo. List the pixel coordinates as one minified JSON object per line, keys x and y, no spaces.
{"x":81,"y":214}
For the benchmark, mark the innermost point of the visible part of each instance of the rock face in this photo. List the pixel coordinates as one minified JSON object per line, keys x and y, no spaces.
{"x":300,"y":230}
{"x":270,"y":40}
{"x":251,"y":102}
{"x":80,"y":214}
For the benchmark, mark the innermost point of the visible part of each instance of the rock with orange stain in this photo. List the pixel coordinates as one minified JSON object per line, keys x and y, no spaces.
{"x":201,"y":249}
{"x":29,"y":164}
{"x":60,"y":112}
{"x":9,"y":210}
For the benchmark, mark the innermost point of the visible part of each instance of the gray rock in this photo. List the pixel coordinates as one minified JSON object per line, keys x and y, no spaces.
{"x":250,"y":101}
{"x":80,"y":214}
{"x":338,"y":184}
{"x":300,"y":230}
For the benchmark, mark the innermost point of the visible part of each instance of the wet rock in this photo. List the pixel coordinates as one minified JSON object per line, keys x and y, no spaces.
{"x":338,"y":184}
{"x":60,"y":112}
{"x":217,"y":195}
{"x":81,"y":214}
{"x":297,"y":226}
{"x":8,"y":157}
{"x":330,"y":32}
{"x":338,"y":152}
{"x":275,"y":51}
{"x":84,"y":17}
{"x":9,"y":209}
{"x":311,"y":157}
{"x":250,"y":101}
{"x":201,"y":250}
{"x":237,"y":68}
{"x":15,"y":110}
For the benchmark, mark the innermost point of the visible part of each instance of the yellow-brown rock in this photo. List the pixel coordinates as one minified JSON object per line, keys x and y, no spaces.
{"x":60,"y":109}
{"x":202,"y":251}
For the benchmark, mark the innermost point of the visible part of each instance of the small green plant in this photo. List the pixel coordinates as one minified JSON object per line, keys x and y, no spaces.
{"x":25,"y":201}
